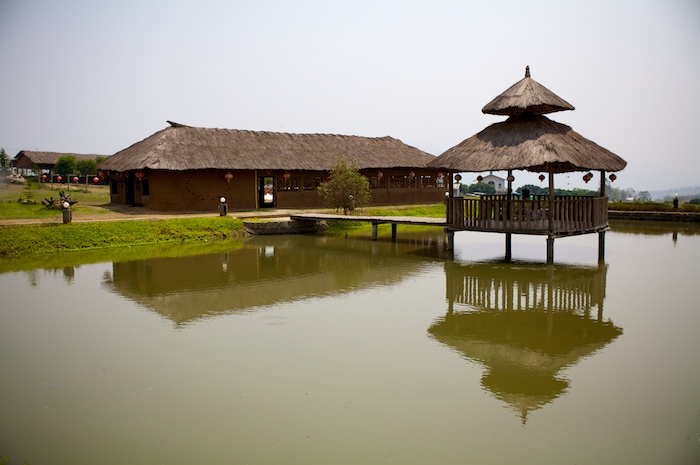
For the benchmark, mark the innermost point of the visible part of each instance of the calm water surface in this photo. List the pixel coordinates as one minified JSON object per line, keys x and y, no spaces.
{"x":318,"y":350}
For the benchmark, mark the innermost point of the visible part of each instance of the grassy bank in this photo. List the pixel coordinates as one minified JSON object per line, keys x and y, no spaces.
{"x":55,"y":237}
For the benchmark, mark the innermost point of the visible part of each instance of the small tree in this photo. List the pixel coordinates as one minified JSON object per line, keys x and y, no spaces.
{"x":481,"y":187}
{"x":345,"y":188}
{"x":65,"y":165}
{"x":86,"y":167}
{"x":4,"y":159}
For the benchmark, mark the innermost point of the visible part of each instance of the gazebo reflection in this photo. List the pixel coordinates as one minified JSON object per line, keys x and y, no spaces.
{"x":525,"y":324}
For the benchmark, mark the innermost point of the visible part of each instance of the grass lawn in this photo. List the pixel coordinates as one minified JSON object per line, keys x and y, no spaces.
{"x":17,"y":201}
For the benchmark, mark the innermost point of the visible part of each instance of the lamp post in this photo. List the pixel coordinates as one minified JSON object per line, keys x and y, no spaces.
{"x":67,"y":213}
{"x":675,"y":201}
{"x":223,"y":207}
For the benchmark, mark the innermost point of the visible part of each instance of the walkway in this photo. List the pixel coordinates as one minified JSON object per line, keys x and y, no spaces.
{"x":375,"y":220}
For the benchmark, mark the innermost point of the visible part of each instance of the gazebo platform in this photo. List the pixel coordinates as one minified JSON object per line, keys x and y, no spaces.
{"x":570,"y":216}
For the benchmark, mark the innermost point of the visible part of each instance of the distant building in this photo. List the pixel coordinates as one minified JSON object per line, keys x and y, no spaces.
{"x":45,"y":161}
{"x":498,"y":183}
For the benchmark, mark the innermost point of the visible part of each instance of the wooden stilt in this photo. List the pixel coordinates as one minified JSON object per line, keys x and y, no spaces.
{"x":509,"y":250}
{"x":450,"y":240}
{"x":393,"y":232}
{"x":375,"y":226}
{"x":550,"y":249}
{"x":601,"y":246}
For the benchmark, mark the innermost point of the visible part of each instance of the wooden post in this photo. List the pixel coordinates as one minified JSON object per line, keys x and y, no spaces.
{"x":550,"y":218}
{"x":374,"y":231}
{"x":450,"y":239}
{"x":550,"y":249}
{"x":509,"y":250}
{"x":601,"y":246}
{"x":393,"y":232}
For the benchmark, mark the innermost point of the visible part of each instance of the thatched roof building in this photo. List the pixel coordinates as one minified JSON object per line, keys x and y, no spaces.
{"x":47,"y":160}
{"x":527,"y":140}
{"x":180,"y":147}
{"x":185,"y":167}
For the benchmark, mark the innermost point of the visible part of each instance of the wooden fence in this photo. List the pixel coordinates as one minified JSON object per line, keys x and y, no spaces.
{"x":569,"y":215}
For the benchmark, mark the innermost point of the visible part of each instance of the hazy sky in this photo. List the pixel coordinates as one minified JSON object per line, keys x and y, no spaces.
{"x":96,"y":76}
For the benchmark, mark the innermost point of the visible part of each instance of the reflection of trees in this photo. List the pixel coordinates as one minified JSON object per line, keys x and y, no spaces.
{"x":524,"y":323}
{"x":655,"y":228}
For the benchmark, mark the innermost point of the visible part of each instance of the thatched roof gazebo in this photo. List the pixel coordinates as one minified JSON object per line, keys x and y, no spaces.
{"x":530,"y":141}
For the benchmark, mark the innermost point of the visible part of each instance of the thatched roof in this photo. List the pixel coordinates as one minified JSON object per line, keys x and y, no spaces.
{"x":27,"y":157}
{"x":180,"y":147}
{"x":526,"y":96}
{"x":528,"y":142}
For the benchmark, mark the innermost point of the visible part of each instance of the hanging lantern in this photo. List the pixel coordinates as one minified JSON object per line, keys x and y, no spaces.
{"x":139,"y":174}
{"x":479,"y":178}
{"x":613,"y":177}
{"x":75,"y":179}
{"x":458,"y":177}
{"x":102,"y":174}
{"x":59,"y":179}
{"x":95,"y":179}
{"x":286,"y":175}
{"x":228,"y":176}
{"x":380,"y":174}
{"x":43,"y":177}
{"x":511,"y":178}
{"x":541,"y":177}
{"x":440,"y":174}
{"x":587,"y":177}
{"x":411,"y":174}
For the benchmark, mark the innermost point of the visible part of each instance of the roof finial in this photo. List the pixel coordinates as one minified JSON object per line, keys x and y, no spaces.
{"x":527,"y":71}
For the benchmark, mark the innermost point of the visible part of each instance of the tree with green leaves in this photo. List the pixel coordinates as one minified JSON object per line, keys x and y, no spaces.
{"x":65,"y":165}
{"x":345,"y":188}
{"x":4,"y":159}
{"x":86,"y":167}
{"x":480,"y":187}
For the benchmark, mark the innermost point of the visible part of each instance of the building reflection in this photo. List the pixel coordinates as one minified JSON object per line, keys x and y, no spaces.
{"x":266,"y":270}
{"x":524,"y":323}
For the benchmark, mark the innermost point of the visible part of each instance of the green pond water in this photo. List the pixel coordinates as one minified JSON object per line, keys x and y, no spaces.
{"x":343,"y":350}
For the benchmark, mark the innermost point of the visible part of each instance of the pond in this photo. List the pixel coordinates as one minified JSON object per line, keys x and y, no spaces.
{"x":340,"y":349}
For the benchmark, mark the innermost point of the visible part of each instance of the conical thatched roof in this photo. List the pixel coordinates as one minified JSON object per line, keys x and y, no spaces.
{"x":181,"y":147}
{"x":526,"y":96}
{"x":528,"y":142}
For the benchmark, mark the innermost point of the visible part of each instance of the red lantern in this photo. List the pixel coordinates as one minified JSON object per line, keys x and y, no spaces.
{"x":613,"y":177}
{"x":458,"y":177}
{"x":59,"y":179}
{"x":43,"y":177}
{"x":75,"y":179}
{"x":228,"y":176}
{"x":379,"y":174}
{"x":95,"y":179}
{"x":541,"y":177}
{"x":479,"y":178}
{"x":411,"y":174}
{"x":286,"y":175}
{"x":102,"y":174}
{"x":511,"y":178}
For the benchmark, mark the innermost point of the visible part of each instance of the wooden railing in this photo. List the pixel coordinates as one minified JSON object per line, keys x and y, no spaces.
{"x":570,"y":215}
